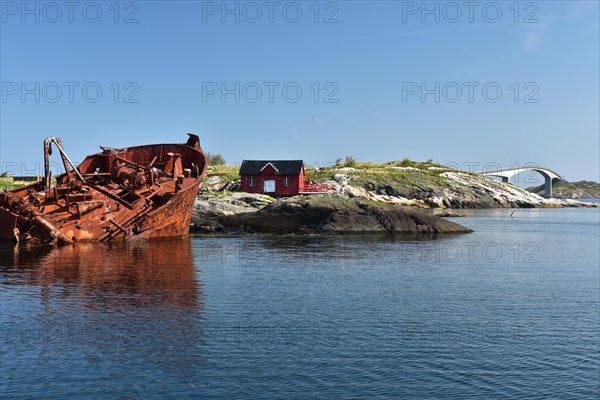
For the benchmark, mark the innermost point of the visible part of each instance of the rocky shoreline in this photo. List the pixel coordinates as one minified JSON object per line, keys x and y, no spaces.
{"x":362,"y":206}
{"x":241,"y":213}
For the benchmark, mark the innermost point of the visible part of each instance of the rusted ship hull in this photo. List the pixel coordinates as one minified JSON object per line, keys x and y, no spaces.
{"x":139,"y":192}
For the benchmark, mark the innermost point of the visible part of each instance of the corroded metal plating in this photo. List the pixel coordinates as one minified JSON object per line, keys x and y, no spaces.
{"x":138,"y":192}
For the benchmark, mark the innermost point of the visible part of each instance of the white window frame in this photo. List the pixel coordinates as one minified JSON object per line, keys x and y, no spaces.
{"x":251,"y":181}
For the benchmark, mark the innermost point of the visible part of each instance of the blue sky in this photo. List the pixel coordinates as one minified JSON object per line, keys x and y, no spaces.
{"x":379,"y":80}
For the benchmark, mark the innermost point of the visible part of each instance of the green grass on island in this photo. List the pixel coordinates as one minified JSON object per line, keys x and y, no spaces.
{"x":405,"y":173}
{"x":7,"y":182}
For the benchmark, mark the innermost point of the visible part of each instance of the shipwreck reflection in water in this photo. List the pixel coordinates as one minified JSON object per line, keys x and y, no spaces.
{"x":111,"y":276}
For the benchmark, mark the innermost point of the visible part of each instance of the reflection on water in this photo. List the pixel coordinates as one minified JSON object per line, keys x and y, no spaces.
{"x":109,"y":276}
{"x":303,"y":250}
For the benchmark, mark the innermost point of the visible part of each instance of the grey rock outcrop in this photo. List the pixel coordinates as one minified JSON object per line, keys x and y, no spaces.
{"x":336,"y":214}
{"x":209,"y":208}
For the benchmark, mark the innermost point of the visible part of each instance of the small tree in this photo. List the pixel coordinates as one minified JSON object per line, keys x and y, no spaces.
{"x":338,"y":162}
{"x":350,"y":162}
{"x":407,"y":162}
{"x":215,"y":159}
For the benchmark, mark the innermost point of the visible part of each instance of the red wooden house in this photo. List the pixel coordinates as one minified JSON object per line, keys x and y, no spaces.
{"x":279,"y":178}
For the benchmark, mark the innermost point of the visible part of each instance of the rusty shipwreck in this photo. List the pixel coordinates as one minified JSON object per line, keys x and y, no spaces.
{"x":139,"y":192}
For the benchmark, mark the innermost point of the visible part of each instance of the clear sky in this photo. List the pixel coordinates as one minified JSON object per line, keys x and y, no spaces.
{"x":494,"y":83}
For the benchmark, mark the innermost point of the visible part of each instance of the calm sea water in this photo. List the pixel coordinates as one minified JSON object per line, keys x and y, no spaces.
{"x":509,"y":311}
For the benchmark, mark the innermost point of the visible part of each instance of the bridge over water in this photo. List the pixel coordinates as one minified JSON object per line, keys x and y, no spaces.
{"x":507,"y":173}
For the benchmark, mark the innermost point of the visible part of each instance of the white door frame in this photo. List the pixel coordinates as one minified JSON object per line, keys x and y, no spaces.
{"x":269,"y":184}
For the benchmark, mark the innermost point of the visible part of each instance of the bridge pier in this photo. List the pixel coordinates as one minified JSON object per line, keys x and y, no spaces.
{"x":547,"y":187}
{"x":504,"y":179}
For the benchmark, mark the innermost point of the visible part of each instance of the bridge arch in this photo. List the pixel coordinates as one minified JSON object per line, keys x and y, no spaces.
{"x":549,"y":175}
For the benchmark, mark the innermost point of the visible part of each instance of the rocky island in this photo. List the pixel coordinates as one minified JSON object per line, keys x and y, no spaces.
{"x":366,"y":197}
{"x":237,"y":213}
{"x":571,"y":190}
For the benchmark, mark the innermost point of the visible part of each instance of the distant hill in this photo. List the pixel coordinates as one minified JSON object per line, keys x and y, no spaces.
{"x":571,"y":190}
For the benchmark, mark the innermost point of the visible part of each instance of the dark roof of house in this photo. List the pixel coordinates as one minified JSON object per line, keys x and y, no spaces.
{"x":285,"y":167}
